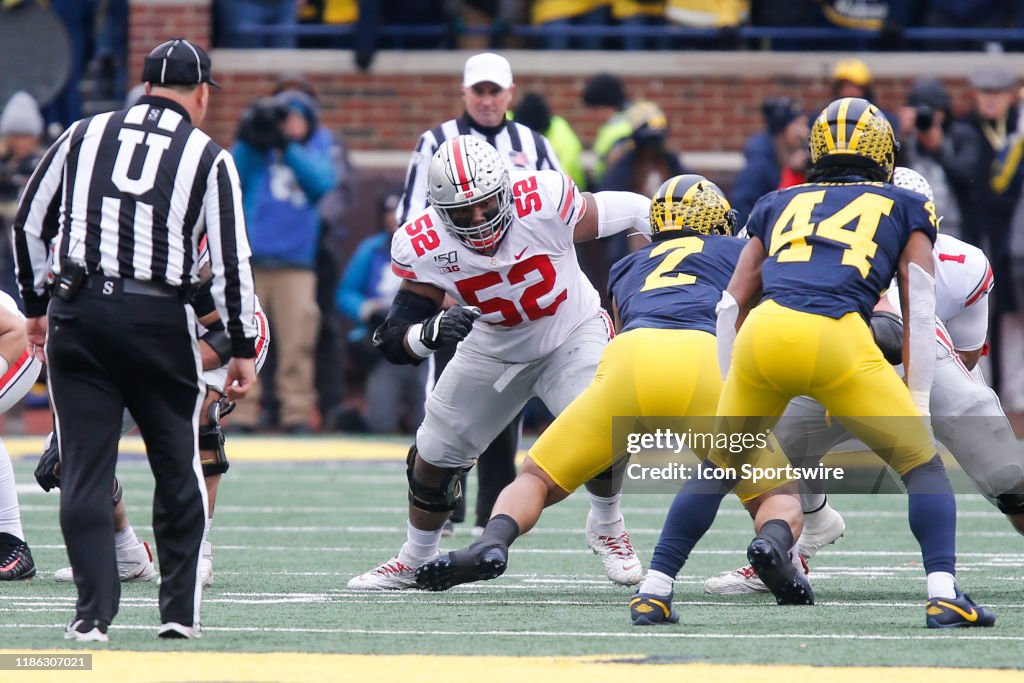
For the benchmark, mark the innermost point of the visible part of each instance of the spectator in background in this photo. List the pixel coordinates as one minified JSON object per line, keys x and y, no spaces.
{"x":988,"y":212}
{"x":21,"y":148}
{"x":641,"y":14}
{"x":558,"y":15}
{"x":851,"y":77}
{"x":364,"y":297}
{"x":606,"y":95}
{"x":112,"y":48}
{"x":79,"y":19}
{"x":278,"y":17}
{"x":330,"y":256}
{"x":973,"y":14}
{"x":643,"y":162}
{"x":533,"y":112}
{"x":285,"y":167}
{"x":708,"y":13}
{"x":929,"y":147}
{"x":779,"y":150}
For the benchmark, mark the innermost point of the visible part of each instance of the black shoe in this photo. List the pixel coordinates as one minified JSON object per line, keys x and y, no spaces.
{"x":86,"y":631}
{"x":789,"y":586}
{"x":462,"y":566}
{"x":17,"y":563}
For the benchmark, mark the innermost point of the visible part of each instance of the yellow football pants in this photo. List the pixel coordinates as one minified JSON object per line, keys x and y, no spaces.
{"x":781,"y":353}
{"x":643,"y":372}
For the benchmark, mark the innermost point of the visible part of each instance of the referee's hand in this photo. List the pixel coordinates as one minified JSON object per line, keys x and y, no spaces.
{"x":241,"y":377}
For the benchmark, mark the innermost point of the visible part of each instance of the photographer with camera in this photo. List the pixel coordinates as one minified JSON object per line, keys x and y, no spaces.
{"x":930,"y":145}
{"x":285,"y":167}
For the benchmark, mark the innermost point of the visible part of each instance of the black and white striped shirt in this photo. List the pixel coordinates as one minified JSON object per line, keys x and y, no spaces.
{"x":521,"y":147}
{"x":130,"y":194}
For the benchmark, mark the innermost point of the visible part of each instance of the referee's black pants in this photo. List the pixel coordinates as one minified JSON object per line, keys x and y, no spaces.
{"x":106,"y":350}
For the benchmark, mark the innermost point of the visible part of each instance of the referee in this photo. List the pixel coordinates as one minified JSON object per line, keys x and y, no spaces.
{"x":487,"y":92}
{"x":125,"y":198}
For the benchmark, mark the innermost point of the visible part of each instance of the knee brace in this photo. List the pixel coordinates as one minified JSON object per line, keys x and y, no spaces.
{"x":443,"y":497}
{"x":211,"y":438}
{"x":118,"y":492}
{"x":1011,"y":503}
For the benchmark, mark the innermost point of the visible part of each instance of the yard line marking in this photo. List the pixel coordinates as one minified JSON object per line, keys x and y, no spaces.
{"x":955,"y":636}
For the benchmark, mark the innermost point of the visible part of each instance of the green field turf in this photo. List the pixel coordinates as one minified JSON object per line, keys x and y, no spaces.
{"x":287,"y":538}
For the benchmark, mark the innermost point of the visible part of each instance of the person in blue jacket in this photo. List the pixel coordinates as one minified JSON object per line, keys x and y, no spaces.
{"x":284,"y":163}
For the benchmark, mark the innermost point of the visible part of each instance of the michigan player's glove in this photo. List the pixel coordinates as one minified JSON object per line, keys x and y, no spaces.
{"x":48,"y":470}
{"x":448,"y":327}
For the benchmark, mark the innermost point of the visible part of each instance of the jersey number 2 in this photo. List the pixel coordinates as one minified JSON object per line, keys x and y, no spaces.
{"x":794,"y":226}
{"x":470,"y":288}
{"x":674,"y":252}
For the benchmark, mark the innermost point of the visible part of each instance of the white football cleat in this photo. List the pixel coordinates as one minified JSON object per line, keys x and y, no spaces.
{"x":389,"y":576}
{"x":611,"y":543}
{"x":133,"y":566}
{"x":206,"y":564}
{"x":820,"y":529}
{"x":173,"y":629}
{"x":745,"y":581}
{"x":742,"y":581}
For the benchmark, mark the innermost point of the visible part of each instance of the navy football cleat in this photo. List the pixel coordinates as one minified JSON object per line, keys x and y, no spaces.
{"x":17,"y":564}
{"x":462,"y":566}
{"x":958,"y":612}
{"x":789,"y":586}
{"x":648,"y":609}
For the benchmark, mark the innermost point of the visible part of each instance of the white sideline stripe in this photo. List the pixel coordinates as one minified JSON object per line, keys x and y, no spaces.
{"x":956,"y":636}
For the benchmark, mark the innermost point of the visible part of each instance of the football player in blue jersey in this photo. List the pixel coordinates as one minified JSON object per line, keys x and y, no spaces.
{"x":793,"y":322}
{"x":663,"y":362}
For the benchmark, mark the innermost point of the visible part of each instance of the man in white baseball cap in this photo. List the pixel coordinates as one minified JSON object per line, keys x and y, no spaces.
{"x":488,"y":67}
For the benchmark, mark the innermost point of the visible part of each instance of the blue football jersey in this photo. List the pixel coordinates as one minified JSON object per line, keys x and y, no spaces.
{"x":833,"y":248}
{"x":674,"y":283}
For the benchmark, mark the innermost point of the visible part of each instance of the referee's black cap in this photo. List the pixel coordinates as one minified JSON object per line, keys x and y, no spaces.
{"x":177,"y":62}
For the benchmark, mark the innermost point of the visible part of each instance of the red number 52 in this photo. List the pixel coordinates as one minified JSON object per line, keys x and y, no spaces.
{"x":471,"y":287}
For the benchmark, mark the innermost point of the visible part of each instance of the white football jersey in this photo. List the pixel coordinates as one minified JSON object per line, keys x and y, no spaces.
{"x":531,"y":291}
{"x":963,"y":279}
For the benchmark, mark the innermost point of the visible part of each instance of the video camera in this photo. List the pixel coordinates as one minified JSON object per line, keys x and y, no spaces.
{"x":260,"y":124}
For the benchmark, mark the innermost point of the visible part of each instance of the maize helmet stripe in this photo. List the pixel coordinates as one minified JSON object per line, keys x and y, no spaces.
{"x":862,"y":125}
{"x":670,"y":192}
{"x":830,"y":141}
{"x":842,"y":123}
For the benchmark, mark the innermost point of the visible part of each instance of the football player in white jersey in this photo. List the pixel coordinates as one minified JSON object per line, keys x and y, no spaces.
{"x":19,"y":369}
{"x":134,"y":558}
{"x":528,"y":319}
{"x":967,"y":416}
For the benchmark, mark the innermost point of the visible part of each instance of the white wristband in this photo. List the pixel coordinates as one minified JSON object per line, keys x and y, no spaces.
{"x":412,"y":338}
{"x":4,"y":366}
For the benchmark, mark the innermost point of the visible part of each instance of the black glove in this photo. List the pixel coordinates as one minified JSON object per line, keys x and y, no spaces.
{"x":48,"y":470}
{"x":448,"y":327}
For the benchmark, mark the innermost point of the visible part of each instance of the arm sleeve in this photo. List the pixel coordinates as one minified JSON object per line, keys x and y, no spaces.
{"x":35,"y":225}
{"x":414,"y":195}
{"x":233,"y":288}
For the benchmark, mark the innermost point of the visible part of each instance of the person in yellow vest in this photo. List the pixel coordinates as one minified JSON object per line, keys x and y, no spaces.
{"x":561,"y":14}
